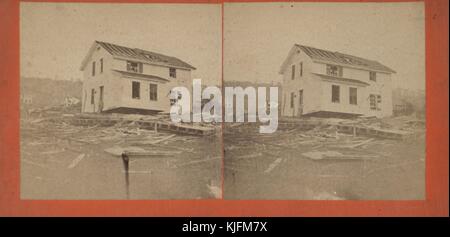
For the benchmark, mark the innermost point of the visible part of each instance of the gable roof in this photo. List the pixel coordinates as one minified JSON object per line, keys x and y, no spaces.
{"x":326,"y":56}
{"x":139,"y":55}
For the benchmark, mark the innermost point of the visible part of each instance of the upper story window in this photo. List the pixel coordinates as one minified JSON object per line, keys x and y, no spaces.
{"x":334,"y":70}
{"x":93,"y":68}
{"x":134,"y":67}
{"x":101,"y":65}
{"x":301,"y":68}
{"x":293,"y":72}
{"x":373,"y":76}
{"x":173,"y":72}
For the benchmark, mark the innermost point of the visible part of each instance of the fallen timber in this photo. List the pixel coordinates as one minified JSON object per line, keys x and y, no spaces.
{"x":356,"y":130}
{"x":366,"y":131}
{"x":188,"y":129}
{"x":301,"y":125}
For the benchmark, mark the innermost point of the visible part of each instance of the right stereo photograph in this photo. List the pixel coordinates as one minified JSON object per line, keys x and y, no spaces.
{"x":346,"y":104}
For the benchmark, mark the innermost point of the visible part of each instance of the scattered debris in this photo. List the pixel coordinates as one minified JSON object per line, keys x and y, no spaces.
{"x":360,"y":143}
{"x":197,"y":161}
{"x":319,"y":155}
{"x":393,"y":166}
{"x":53,"y":152}
{"x":37,"y":120}
{"x":33,"y":163}
{"x":324,"y":196}
{"x":138,"y":171}
{"x":253,"y":155}
{"x":76,"y":161}
{"x":54,"y":132}
{"x":214,"y":190}
{"x":273,"y":165}
{"x":158,"y":141}
{"x":138,"y":151}
{"x":327,"y":155}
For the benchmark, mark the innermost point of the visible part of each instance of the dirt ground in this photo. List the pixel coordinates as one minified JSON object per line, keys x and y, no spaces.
{"x":64,"y":161}
{"x":61,"y":161}
{"x":281,"y":166}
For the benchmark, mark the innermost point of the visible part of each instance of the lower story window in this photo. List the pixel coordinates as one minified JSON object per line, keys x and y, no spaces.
{"x":136,"y":88}
{"x":335,"y":94}
{"x":173,"y":72}
{"x":378,"y":102}
{"x":375,"y":102}
{"x":292,"y":100}
{"x":300,"y":97}
{"x":353,"y":96}
{"x":92,"y":96}
{"x":153,"y":92}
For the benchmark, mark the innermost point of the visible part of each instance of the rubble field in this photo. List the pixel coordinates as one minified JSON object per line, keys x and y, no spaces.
{"x":305,"y":159}
{"x":318,"y":162}
{"x":60,"y":160}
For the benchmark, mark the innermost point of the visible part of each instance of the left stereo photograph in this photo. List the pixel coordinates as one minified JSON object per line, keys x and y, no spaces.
{"x":96,"y":97}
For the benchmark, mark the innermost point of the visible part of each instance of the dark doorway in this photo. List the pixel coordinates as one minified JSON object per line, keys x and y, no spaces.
{"x":300,"y":103}
{"x":100,"y":100}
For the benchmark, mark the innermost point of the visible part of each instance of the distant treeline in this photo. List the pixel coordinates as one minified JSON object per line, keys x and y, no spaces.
{"x":408,"y":102}
{"x":41,"y":92}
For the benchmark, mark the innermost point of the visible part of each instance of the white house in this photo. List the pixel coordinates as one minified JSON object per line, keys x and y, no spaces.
{"x":324,"y":83}
{"x":123,"y":79}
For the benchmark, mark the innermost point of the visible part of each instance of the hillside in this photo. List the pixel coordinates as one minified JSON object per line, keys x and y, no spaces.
{"x":48,"y":92}
{"x":413,"y":101}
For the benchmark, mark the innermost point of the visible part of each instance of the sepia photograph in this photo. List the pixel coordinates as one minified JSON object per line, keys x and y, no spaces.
{"x":95,"y":99}
{"x":321,"y":101}
{"x":351,"y":101}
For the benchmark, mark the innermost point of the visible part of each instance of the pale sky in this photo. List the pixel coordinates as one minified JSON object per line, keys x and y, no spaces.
{"x":55,"y":37}
{"x":258,"y":36}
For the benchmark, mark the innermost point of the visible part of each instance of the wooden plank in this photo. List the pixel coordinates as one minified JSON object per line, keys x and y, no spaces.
{"x":274,"y":164}
{"x":198,"y":161}
{"x":76,"y":161}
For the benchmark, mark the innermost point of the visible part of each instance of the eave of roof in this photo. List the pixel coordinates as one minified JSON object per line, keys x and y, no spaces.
{"x":341,"y":79}
{"x":349,"y":66}
{"x":141,"y":76}
{"x":151,"y":63}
